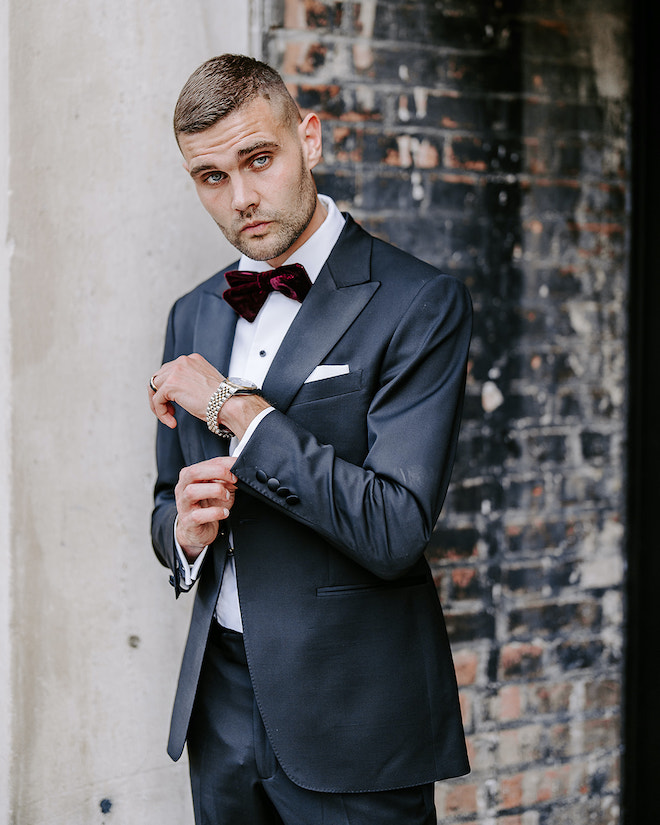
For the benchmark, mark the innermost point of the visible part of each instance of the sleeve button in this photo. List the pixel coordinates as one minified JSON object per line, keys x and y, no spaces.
{"x":273,"y":484}
{"x":261,"y":476}
{"x":292,"y":499}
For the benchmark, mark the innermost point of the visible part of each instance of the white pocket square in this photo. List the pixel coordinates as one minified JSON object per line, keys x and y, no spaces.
{"x":327,"y":371}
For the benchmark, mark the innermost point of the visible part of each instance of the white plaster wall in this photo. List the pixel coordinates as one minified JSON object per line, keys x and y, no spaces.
{"x":5,"y":413}
{"x":106,"y":232}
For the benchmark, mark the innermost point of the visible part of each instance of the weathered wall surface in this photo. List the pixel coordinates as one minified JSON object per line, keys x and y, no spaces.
{"x":5,"y":422}
{"x":491,"y":139}
{"x":104,"y":231}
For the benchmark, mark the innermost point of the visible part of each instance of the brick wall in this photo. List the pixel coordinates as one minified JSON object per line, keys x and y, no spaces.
{"x":490,"y":138}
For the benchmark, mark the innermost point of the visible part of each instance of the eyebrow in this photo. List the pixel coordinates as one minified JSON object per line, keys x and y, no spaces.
{"x":204,"y":167}
{"x":248,"y":150}
{"x":255,"y":147}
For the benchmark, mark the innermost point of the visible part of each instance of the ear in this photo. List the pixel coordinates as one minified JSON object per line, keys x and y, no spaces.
{"x":309,"y":132}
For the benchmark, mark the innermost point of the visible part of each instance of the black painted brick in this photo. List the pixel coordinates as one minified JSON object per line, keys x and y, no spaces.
{"x":581,"y":655}
{"x":595,"y":445}
{"x":464,"y":627}
{"x":534,"y":577}
{"x":552,"y":619}
{"x":453,"y":543}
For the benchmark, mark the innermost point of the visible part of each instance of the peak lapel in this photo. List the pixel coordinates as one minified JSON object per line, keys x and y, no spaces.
{"x":339,"y":294}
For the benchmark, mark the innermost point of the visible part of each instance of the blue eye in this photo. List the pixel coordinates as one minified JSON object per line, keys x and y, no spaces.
{"x":214,"y":177}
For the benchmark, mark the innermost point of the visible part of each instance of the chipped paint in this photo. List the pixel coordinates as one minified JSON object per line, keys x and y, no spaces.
{"x":491,"y":396}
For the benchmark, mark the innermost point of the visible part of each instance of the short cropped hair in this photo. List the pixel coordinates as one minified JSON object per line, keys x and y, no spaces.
{"x":222,"y":85}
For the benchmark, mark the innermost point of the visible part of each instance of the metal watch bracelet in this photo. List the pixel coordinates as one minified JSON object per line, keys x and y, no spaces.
{"x":228,"y":388}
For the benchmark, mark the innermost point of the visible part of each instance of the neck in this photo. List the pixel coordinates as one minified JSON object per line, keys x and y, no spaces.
{"x":320,"y":214}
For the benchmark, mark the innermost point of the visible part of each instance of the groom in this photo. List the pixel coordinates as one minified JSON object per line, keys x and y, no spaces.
{"x":300,"y":492}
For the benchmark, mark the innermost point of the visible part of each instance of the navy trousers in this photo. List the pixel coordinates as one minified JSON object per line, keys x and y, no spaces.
{"x":236,"y":778}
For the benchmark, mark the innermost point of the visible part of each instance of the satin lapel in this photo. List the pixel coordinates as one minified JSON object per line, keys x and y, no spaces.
{"x":213,"y":338}
{"x":339,"y":294}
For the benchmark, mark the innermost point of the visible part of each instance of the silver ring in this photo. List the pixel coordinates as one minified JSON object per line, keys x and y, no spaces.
{"x":151,"y":383}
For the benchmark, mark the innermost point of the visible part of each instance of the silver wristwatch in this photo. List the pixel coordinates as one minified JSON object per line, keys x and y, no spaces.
{"x":229,"y":387}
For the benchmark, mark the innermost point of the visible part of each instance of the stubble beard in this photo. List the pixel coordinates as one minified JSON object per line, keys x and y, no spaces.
{"x":284,"y":229}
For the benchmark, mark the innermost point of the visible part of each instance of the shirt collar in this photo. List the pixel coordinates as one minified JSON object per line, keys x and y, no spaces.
{"x":314,"y":252}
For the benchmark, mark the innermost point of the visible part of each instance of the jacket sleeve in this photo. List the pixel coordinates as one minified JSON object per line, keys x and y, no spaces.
{"x":381,"y":513}
{"x":170,"y":461}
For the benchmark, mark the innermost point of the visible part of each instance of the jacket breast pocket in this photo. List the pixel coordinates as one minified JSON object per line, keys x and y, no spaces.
{"x":329,"y":387}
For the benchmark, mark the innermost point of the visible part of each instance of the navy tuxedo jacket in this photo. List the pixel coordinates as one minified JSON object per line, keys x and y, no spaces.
{"x":339,"y":490}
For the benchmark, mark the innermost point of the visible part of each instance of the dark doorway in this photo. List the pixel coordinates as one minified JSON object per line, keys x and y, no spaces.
{"x":642,"y":712}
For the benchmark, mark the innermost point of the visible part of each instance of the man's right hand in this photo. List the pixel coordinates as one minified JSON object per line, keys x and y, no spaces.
{"x":204,"y":496}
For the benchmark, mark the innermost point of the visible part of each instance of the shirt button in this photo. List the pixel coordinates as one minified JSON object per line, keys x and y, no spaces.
{"x":262,"y":353}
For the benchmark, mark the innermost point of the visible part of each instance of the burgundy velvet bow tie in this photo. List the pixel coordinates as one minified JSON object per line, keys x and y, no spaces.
{"x":248,"y":291}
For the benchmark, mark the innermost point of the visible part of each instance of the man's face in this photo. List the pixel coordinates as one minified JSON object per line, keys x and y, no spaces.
{"x":253,"y":175}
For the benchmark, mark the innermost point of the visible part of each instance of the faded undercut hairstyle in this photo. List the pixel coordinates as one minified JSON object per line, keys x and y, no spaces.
{"x":222,"y":85}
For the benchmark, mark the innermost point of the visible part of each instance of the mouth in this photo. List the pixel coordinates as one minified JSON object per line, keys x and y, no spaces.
{"x":255,"y":228}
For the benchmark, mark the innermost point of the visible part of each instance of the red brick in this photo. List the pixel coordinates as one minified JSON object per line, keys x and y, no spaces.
{"x":466,"y":710}
{"x":603,"y":694}
{"x":551,"y":698}
{"x":546,"y":784}
{"x":466,"y":663}
{"x":464,"y":582}
{"x":480,"y":748}
{"x":602,"y":734}
{"x":511,"y":791}
{"x":461,"y":799}
{"x":294,"y":14}
{"x":311,"y":14}
{"x":510,"y":703}
{"x":520,"y":660}
{"x":518,"y":746}
{"x":561,"y":739}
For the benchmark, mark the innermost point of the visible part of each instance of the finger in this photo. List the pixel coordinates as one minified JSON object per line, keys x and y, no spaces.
{"x":196,"y":495}
{"x":207,"y":515}
{"x":213,"y":469}
{"x":223,"y":465}
{"x":164,"y":411}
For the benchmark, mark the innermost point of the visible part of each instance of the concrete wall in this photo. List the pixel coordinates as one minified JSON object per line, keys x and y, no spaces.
{"x":101,"y":232}
{"x":4,"y":419}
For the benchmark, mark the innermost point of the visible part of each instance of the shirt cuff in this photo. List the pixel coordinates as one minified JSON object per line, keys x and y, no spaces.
{"x":238,"y":449}
{"x":187,"y":573}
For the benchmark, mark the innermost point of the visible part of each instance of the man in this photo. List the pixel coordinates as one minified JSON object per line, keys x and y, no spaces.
{"x":317,"y":684}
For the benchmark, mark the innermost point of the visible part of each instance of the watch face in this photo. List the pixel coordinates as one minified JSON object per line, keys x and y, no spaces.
{"x":242,"y":384}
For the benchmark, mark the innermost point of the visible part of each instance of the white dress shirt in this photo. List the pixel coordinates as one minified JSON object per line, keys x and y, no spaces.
{"x":254,"y":348}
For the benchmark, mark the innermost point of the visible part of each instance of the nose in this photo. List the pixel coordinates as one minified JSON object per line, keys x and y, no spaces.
{"x":244,"y":195}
